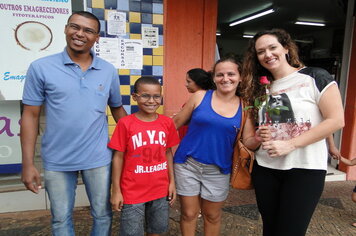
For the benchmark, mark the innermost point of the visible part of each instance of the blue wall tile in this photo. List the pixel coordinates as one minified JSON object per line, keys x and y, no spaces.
{"x":131,"y":89}
{"x":135,"y":28}
{"x":160,"y":37}
{"x":157,"y":8}
{"x":146,"y":25}
{"x":89,"y":3}
{"x":124,"y":79}
{"x":159,"y":79}
{"x":102,"y":25}
{"x":123,"y":5}
{"x":126,"y":99}
{"x":126,"y":36}
{"x":135,"y":6}
{"x":99,"y":12}
{"x":157,"y":70}
{"x":127,"y":109}
{"x":134,"y":109}
{"x":146,"y":7}
{"x":147,"y":51}
{"x":110,"y":4}
{"x":160,"y":29}
{"x":135,"y":72}
{"x":146,"y":18}
{"x":147,"y":70}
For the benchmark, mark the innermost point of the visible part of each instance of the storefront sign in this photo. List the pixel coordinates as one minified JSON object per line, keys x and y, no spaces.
{"x":10,"y":149}
{"x":29,"y":30}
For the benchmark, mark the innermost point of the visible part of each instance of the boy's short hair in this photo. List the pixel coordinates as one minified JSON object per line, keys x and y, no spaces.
{"x":145,"y":80}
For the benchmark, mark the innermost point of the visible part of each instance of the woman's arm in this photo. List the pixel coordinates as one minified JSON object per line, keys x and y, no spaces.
{"x":331,"y":108}
{"x":348,"y":162}
{"x":184,"y":115}
{"x":333,"y":151}
{"x":248,"y":135}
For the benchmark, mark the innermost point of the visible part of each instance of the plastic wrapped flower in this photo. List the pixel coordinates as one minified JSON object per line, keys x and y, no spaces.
{"x":263,"y":101}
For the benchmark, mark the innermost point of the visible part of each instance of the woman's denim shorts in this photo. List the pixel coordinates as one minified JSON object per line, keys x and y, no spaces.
{"x":194,"y":178}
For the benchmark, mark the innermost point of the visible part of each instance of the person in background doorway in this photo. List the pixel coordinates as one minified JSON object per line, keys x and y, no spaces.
{"x":290,"y":168}
{"x":75,"y":87}
{"x":142,"y":172}
{"x":196,"y":79}
{"x":203,"y":159}
{"x":335,"y":153}
{"x":349,"y":162}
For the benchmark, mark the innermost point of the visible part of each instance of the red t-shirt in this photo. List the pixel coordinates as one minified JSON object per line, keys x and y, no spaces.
{"x":144,"y":175}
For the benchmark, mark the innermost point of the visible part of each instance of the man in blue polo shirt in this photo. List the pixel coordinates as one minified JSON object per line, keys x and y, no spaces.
{"x":75,"y":87}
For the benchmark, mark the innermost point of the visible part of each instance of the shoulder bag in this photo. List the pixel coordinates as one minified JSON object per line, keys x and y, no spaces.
{"x":242,"y":161}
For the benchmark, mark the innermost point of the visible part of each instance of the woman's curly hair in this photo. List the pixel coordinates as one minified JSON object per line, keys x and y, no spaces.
{"x":252,"y":69}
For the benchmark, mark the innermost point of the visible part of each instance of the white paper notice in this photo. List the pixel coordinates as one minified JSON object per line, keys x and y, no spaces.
{"x":131,"y":54}
{"x":108,"y":49}
{"x":116,"y":23}
{"x":150,"y":37}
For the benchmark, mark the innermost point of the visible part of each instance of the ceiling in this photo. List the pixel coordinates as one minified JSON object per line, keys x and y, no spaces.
{"x":332,"y":12}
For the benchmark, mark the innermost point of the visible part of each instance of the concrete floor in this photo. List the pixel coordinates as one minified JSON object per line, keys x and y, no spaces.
{"x":333,"y":216}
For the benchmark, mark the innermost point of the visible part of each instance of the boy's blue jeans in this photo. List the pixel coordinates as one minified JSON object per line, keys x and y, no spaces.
{"x":152,"y":217}
{"x":61,"y":186}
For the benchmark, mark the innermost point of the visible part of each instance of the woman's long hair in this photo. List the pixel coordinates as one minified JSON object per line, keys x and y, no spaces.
{"x":252,"y":69}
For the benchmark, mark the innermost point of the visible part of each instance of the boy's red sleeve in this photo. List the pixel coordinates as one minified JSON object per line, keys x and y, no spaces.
{"x":173,"y":138}
{"x":118,"y":139}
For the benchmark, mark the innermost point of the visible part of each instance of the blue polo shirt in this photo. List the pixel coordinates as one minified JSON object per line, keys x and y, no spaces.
{"x":76,"y":133}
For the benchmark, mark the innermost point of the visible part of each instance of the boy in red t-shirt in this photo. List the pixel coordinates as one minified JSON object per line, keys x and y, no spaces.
{"x":142,"y":167}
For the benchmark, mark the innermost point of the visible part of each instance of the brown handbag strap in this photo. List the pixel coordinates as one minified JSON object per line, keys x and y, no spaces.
{"x":243,"y":119}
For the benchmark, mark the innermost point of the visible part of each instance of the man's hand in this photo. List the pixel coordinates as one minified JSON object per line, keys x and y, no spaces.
{"x":31,"y":178}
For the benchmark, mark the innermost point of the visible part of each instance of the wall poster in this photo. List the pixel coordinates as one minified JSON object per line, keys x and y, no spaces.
{"x":150,"y":37}
{"x":131,"y":54}
{"x":29,"y":30}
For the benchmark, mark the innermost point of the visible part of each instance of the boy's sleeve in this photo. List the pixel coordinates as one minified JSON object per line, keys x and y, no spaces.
{"x":118,"y":139}
{"x":173,"y":138}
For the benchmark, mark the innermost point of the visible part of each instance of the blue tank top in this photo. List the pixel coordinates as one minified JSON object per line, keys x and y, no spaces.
{"x":210,"y":138}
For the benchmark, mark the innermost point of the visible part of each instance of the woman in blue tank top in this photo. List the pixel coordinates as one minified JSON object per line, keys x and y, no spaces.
{"x":204,"y":157}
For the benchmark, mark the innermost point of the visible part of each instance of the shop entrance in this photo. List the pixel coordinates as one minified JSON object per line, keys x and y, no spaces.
{"x":320,"y":30}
